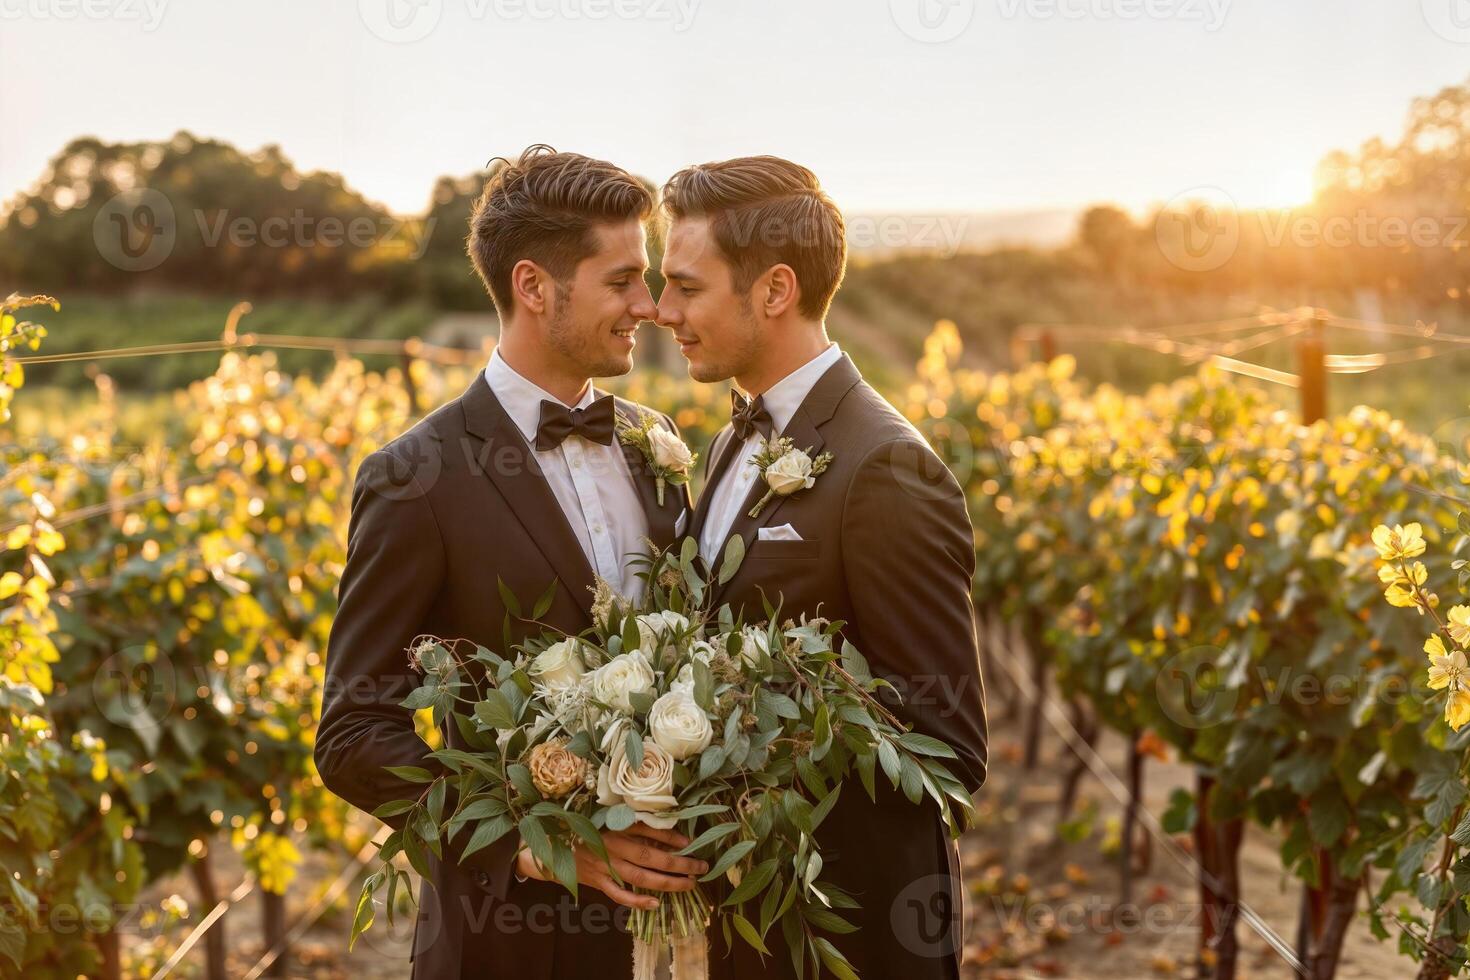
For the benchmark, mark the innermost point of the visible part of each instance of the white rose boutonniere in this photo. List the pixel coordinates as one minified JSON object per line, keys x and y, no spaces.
{"x":669,"y":458}
{"x":786,"y":469}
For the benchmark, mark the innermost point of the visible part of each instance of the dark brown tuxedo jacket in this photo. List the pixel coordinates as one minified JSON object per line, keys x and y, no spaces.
{"x":438,"y":515}
{"x":887,"y":546}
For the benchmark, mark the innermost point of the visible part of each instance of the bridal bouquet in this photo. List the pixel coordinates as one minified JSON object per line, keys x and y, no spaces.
{"x":666,"y":712}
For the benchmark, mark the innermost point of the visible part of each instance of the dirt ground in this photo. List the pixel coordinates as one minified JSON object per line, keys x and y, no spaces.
{"x":1036,"y":906}
{"x":1069,"y":887}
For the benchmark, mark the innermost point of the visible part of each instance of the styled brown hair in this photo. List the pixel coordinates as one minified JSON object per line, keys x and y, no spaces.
{"x":542,"y":207}
{"x":764,"y":211}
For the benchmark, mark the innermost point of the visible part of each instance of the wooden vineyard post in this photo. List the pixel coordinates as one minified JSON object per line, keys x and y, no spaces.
{"x":1130,"y":820}
{"x":273,"y":908}
{"x":110,"y":946}
{"x":1048,"y":343}
{"x":214,"y":939}
{"x":1204,"y":849}
{"x":1086,"y":724}
{"x":406,"y":360}
{"x":1228,"y":837}
{"x":1036,"y":710}
{"x":1312,"y":368}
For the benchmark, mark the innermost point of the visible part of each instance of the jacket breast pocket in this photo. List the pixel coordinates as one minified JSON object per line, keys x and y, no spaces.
{"x":784,"y":549}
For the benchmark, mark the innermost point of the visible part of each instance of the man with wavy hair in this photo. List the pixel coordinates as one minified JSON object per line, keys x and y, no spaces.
{"x":880,"y":540}
{"x":520,"y":480}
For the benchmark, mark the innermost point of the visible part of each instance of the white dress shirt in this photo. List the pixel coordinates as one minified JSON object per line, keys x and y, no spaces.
{"x":590,"y":481}
{"x":781,"y":401}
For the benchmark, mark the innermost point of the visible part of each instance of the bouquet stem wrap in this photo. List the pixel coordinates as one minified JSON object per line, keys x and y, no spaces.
{"x":678,"y":924}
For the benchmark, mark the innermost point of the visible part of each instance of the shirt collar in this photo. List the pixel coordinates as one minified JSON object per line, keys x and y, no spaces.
{"x":785,"y":396}
{"x":521,"y":397}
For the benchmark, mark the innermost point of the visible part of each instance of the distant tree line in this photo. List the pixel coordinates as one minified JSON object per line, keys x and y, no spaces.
{"x":202,"y":216}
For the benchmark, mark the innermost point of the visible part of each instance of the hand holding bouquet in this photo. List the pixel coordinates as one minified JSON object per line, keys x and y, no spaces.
{"x":673,"y":715}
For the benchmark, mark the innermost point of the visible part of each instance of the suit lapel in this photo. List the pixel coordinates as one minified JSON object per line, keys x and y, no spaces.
{"x":804,"y":431}
{"x":512,"y":466}
{"x":722,"y":452}
{"x":661,"y":519}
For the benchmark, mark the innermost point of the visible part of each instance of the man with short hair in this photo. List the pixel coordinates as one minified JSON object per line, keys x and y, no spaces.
{"x":880,"y":540}
{"x":520,"y":480}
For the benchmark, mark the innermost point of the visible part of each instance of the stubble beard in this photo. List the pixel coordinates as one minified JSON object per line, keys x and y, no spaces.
{"x":580,"y":347}
{"x":743,"y":351}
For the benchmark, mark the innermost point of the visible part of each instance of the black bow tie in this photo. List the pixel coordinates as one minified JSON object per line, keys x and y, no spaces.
{"x":594,"y":423}
{"x":749,"y":416}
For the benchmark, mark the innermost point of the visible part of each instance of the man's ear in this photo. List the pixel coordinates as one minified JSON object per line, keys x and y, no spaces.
{"x":782,"y":291}
{"x":531,"y":286}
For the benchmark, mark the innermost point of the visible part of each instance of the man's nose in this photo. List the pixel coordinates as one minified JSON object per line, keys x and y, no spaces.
{"x":643,"y":308}
{"x":668,"y":316}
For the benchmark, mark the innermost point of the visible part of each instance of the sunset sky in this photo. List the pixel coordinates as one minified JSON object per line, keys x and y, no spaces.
{"x":908,"y":105}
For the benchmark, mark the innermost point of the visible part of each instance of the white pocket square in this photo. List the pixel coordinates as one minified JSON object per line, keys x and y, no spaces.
{"x":784,"y":532}
{"x":682,"y":522}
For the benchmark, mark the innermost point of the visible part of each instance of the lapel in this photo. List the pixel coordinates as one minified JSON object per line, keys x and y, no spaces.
{"x":661,"y":520}
{"x":721,"y":455}
{"x":511,"y":465}
{"x":804,"y":431}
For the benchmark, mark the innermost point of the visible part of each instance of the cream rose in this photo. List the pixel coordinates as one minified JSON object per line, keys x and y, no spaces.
{"x":669,"y":451}
{"x":621,"y":677}
{"x":790,"y":473}
{"x":559,"y":666}
{"x":648,"y":788}
{"x":679,"y":725}
{"x":652,"y":626}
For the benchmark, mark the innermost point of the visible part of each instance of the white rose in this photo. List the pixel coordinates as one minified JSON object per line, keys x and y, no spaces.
{"x":648,"y":789}
{"x":559,"y":666}
{"x":790,"y":473}
{"x":651,"y":626}
{"x":684,"y":680}
{"x":679,"y":725}
{"x":754,"y":642}
{"x":669,"y":451}
{"x":621,"y":677}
